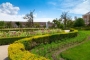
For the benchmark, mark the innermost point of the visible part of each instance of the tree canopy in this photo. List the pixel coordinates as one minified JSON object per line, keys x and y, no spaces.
{"x":79,"y":22}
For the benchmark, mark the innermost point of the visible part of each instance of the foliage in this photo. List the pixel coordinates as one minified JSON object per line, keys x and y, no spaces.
{"x":18,"y":24}
{"x":11,"y":36}
{"x":36,"y":25}
{"x":70,"y":23}
{"x":79,"y":23}
{"x":17,"y":52}
{"x":9,"y":40}
{"x":17,"y":49}
{"x":21,"y":29}
{"x":28,"y":33}
{"x":2,"y":24}
{"x":47,"y":50}
{"x":30,"y":19}
{"x":57,"y":23}
{"x":65,"y":17}
{"x":9,"y":25}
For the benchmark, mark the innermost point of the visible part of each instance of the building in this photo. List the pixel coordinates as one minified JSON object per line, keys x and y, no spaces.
{"x":86,"y":18}
{"x":24,"y":24}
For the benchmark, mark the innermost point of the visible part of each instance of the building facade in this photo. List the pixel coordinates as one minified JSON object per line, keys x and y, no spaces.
{"x":86,"y":18}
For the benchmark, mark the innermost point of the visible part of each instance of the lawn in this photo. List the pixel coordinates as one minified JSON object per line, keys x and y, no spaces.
{"x":81,"y":52}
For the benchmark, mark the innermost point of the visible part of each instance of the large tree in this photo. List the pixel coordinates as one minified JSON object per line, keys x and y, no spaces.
{"x":64,"y":17}
{"x":79,"y":22}
{"x":29,"y":17}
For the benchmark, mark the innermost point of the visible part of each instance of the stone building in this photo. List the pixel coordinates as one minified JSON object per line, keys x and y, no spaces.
{"x":86,"y":18}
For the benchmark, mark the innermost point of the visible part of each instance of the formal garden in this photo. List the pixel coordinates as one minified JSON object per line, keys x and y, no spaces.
{"x":66,"y":40}
{"x":46,"y":44}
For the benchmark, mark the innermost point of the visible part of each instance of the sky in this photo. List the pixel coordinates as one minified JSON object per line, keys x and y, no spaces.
{"x":45,"y":10}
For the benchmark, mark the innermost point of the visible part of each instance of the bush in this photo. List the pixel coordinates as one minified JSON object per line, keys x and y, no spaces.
{"x":5,"y":41}
{"x":21,"y":29}
{"x":17,"y":50}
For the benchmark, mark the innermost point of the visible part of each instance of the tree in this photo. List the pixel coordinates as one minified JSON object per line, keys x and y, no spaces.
{"x":30,"y":18}
{"x":36,"y":25}
{"x":2,"y":24}
{"x":9,"y":24}
{"x":64,"y":16}
{"x":57,"y":23}
{"x":17,"y":23}
{"x":79,"y":22}
{"x":70,"y":23}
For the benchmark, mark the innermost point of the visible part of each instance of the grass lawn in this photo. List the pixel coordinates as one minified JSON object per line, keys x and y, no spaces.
{"x":81,"y":52}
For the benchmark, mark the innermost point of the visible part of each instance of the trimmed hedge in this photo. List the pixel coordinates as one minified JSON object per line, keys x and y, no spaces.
{"x":18,"y":50}
{"x":5,"y":41}
{"x":21,"y":29}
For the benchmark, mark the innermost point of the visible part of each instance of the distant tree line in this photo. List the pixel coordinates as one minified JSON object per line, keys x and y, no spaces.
{"x":65,"y":22}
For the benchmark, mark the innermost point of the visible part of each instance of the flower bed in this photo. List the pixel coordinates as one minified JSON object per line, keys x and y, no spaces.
{"x":28,"y":33}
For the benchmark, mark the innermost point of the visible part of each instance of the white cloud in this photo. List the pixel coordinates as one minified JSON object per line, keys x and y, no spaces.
{"x":81,"y":8}
{"x":8,"y":8}
{"x":5,"y":17}
{"x":8,"y":12}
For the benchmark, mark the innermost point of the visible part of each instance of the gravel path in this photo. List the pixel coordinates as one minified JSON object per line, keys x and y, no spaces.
{"x":4,"y":52}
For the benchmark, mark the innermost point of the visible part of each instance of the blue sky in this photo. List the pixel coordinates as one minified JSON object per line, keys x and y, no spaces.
{"x":45,"y":10}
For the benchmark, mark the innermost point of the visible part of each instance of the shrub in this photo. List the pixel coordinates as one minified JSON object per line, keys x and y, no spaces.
{"x":17,"y":50}
{"x":5,"y":41}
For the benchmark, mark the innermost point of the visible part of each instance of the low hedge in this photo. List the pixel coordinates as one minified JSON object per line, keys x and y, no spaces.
{"x":18,"y":50}
{"x":21,"y":29}
{"x":6,"y":41}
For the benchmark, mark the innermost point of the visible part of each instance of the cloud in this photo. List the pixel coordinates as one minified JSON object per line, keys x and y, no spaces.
{"x":5,"y":17}
{"x":8,"y":8}
{"x":9,"y":12}
{"x":81,"y":8}
{"x":75,"y":7}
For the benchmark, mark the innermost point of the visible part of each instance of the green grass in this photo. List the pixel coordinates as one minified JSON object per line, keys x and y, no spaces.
{"x":81,"y":52}
{"x":47,"y":50}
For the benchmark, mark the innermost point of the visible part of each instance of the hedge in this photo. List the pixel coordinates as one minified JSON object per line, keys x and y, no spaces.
{"x":21,"y":29}
{"x":18,"y":50}
{"x":6,"y":41}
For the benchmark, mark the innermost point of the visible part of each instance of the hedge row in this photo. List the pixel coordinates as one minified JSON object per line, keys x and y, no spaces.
{"x":18,"y":50}
{"x":20,"y":29}
{"x":6,"y":41}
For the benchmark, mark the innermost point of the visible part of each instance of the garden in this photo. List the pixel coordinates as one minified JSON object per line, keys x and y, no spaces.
{"x":59,"y":42}
{"x":51,"y":45}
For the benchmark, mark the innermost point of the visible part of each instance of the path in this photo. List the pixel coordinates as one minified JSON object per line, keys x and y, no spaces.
{"x":4,"y":52}
{"x":56,"y":53}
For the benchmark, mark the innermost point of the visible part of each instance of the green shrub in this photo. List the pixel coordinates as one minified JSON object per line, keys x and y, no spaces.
{"x":5,"y":41}
{"x":17,"y":50}
{"x":21,"y":29}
